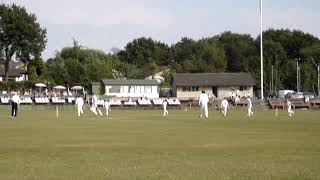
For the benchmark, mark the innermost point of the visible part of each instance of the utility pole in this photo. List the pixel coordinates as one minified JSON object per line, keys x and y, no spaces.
{"x":261,"y":47}
{"x":298,"y":74}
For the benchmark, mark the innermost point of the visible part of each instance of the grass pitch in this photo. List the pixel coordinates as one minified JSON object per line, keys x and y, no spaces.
{"x":141,"y":144}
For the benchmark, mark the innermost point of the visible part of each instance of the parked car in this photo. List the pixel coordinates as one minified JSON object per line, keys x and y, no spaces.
{"x":310,"y":95}
{"x":296,"y":95}
{"x":283,"y":93}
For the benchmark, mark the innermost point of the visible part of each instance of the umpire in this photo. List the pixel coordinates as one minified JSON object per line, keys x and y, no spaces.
{"x":15,"y":101}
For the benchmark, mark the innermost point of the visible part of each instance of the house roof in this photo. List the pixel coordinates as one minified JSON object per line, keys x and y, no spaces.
{"x":213,"y":79}
{"x":129,"y":82}
{"x":13,"y":72}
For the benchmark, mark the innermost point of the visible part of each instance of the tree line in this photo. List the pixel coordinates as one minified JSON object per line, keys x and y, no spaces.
{"x":226,"y":52}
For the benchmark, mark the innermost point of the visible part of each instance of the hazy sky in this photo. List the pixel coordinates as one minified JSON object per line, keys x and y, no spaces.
{"x":103,"y":24}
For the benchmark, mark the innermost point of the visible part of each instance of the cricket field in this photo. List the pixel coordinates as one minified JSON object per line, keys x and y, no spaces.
{"x":142,"y":144}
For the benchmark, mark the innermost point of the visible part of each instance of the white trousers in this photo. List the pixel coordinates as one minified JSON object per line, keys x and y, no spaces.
{"x":165,"y":112}
{"x":107,"y":111}
{"x":224,"y":110}
{"x":204,"y":110}
{"x":80,"y":110}
{"x":250,"y":113}
{"x":290,"y":112}
{"x":95,"y":109}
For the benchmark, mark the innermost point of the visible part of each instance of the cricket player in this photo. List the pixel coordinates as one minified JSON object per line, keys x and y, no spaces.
{"x":94,"y":106}
{"x":164,"y":106}
{"x":79,"y":104}
{"x":203,"y":103}
{"x":289,"y":106}
{"x":249,"y":106}
{"x":224,"y":107}
{"x":106,"y":105}
{"x":15,"y":101}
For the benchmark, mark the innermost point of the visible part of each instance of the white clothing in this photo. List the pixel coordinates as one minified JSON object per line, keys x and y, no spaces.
{"x":289,"y":105}
{"x":106,"y":105}
{"x":249,"y":105}
{"x":237,"y":99}
{"x":164,"y":106}
{"x":79,"y":103}
{"x":94,"y":107}
{"x":307,"y":99}
{"x":203,"y":103}
{"x":224,"y":106}
{"x":16,"y":99}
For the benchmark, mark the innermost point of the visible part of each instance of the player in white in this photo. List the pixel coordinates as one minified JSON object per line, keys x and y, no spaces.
{"x":289,"y":106}
{"x":94,"y":106}
{"x":203,"y":103}
{"x":249,"y":106}
{"x":164,"y":106}
{"x":79,"y":104}
{"x":224,"y":107}
{"x":106,"y":105}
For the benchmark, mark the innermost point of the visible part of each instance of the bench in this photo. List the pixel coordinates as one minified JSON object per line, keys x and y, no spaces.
{"x":315,"y":102}
{"x":276,"y":103}
{"x":299,"y":103}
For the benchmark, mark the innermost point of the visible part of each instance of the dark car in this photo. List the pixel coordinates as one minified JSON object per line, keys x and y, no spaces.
{"x":295,"y":95}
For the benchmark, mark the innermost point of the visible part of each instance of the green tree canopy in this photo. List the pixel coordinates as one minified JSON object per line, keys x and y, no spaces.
{"x":21,"y":36}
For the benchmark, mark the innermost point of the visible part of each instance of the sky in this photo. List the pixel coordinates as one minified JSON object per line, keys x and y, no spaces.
{"x":105,"y":24}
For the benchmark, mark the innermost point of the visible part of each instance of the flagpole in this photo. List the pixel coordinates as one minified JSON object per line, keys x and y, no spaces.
{"x":261,"y":47}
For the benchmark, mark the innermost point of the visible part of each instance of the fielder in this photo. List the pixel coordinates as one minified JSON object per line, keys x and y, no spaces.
{"x":79,"y":104}
{"x":289,"y":106}
{"x":203,"y":103}
{"x":164,"y":106}
{"x":106,"y":105}
{"x":224,"y":107}
{"x":94,"y":106}
{"x":249,"y":106}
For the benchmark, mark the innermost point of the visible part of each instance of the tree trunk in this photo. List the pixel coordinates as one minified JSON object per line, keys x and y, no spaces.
{"x":6,"y":70}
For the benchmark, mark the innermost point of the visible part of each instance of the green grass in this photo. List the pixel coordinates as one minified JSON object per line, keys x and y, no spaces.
{"x":135,"y":144}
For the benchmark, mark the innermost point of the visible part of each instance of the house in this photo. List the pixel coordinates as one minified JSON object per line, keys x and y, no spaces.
{"x":220,"y":85}
{"x":131,"y":88}
{"x":16,"y":75}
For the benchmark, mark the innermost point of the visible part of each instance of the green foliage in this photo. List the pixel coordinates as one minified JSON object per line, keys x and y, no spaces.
{"x":21,"y":35}
{"x":227,"y":52}
{"x":144,"y":50}
{"x":238,"y":47}
{"x":206,"y":55}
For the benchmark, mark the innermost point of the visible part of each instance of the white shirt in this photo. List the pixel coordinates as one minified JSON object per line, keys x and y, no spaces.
{"x":106,"y":104}
{"x":94,"y":100}
{"x":79,"y":102}
{"x":164,"y":104}
{"x":203,"y":99}
{"x":16,"y":99}
{"x":224,"y":103}
{"x":289,"y":104}
{"x":249,"y":103}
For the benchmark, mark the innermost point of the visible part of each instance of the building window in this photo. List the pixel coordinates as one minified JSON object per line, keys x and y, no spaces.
{"x":190,"y":88}
{"x":115,"y":89}
{"x":131,"y":89}
{"x":148,"y":89}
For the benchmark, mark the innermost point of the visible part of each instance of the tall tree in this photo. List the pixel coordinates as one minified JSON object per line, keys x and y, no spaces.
{"x":143,"y":51}
{"x":20,"y":35}
{"x":237,"y":48}
{"x":312,"y":54}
